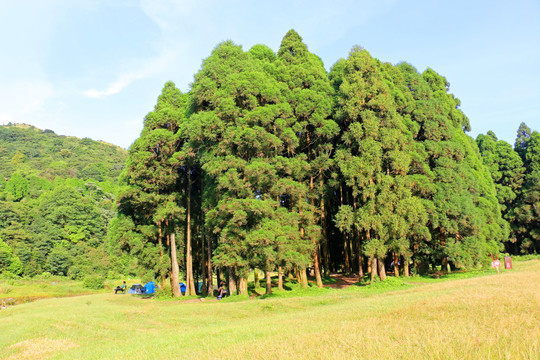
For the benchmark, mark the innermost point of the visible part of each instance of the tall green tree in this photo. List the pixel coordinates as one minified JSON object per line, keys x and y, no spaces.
{"x":522,"y":139}
{"x":507,"y":170}
{"x":310,"y":97}
{"x":154,"y":199}
{"x":243,"y":124}
{"x":465,"y":224}
{"x":528,"y":210}
{"x":374,"y":160}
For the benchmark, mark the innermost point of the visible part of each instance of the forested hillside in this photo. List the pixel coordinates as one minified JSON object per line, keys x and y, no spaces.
{"x":270,"y":162}
{"x":57,"y":196}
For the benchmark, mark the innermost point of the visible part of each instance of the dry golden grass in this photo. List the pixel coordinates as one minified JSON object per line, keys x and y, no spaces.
{"x":490,"y":317}
{"x":40,"y":348}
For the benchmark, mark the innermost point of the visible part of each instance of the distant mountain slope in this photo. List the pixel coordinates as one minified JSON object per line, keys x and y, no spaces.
{"x":57,"y":196}
{"x":30,"y":151}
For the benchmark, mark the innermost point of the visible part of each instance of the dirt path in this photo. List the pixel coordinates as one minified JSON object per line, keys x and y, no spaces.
{"x":342,"y":281}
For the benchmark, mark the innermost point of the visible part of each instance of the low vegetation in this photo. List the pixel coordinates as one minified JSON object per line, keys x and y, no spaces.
{"x":487,"y":317}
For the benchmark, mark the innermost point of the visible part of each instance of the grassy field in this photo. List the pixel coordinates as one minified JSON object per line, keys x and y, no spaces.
{"x":13,"y":292}
{"x":487,"y":317}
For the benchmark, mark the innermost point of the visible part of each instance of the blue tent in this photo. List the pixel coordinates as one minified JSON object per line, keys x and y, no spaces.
{"x":150,"y":287}
{"x":182,"y":288}
{"x":136,"y":289}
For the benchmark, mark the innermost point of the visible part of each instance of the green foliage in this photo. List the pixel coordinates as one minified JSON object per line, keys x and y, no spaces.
{"x":30,"y":151}
{"x":16,"y":266}
{"x":270,"y":162}
{"x":59,"y":194}
{"x":159,"y":178}
{"x":9,"y":262}
{"x":280,"y":164}
{"x":507,"y":171}
{"x":94,"y":282}
{"x":59,"y":261}
{"x":17,"y":186}
{"x":527,"y":212}
{"x":522,"y":139}
{"x":5,"y":255}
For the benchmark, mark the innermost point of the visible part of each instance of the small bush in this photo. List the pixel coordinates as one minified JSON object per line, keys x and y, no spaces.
{"x":44,"y":276}
{"x":93,"y":282}
{"x":524,"y":257}
{"x":76,"y":273}
{"x":6,"y":275}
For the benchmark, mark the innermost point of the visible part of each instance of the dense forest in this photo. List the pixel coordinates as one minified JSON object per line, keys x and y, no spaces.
{"x":57,"y":197}
{"x":271,"y":162}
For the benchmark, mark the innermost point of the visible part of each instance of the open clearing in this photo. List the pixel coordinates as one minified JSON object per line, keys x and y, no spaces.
{"x":489,"y":317}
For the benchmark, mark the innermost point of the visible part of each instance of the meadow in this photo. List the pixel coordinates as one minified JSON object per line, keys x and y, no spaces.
{"x":486,"y":317}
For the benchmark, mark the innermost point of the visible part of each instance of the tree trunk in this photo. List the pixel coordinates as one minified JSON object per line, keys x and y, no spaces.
{"x":346,"y":260}
{"x":445,"y":265}
{"x":203,"y":265}
{"x":358,"y":254}
{"x":316,"y":264}
{"x":325,"y":253}
{"x":373,"y":268}
{"x":232,"y":281}
{"x":209,"y":282}
{"x":280,"y":278}
{"x":406,"y":267}
{"x":360,"y":265}
{"x":303,"y":277}
{"x":298,"y":278}
{"x":175,"y":285}
{"x":396,"y":266}
{"x":242,"y":286}
{"x":268,"y":282}
{"x":382,"y":271}
{"x":316,"y":255}
{"x":347,"y":264}
{"x":370,"y":261}
{"x":190,"y":286}
{"x":357,"y":246}
{"x":256,"y":278}
{"x":161,"y":254}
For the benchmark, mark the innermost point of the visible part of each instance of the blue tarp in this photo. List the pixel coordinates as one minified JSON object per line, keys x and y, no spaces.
{"x":183,"y":288}
{"x":150,"y":288}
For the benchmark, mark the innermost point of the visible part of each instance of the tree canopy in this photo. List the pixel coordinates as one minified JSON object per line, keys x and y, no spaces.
{"x":289,"y":167}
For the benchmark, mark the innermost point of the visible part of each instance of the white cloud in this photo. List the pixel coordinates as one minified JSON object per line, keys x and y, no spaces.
{"x":144,"y":68}
{"x":115,"y":87}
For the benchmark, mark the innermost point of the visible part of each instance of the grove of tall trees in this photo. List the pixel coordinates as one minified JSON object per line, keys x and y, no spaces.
{"x":270,"y":162}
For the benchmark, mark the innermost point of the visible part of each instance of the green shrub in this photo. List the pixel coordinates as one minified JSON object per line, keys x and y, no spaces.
{"x":93,"y":282}
{"x":76,"y":272}
{"x":44,"y":276}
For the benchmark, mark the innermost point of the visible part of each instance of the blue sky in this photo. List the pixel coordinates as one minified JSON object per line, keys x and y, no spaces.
{"x":93,"y":68}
